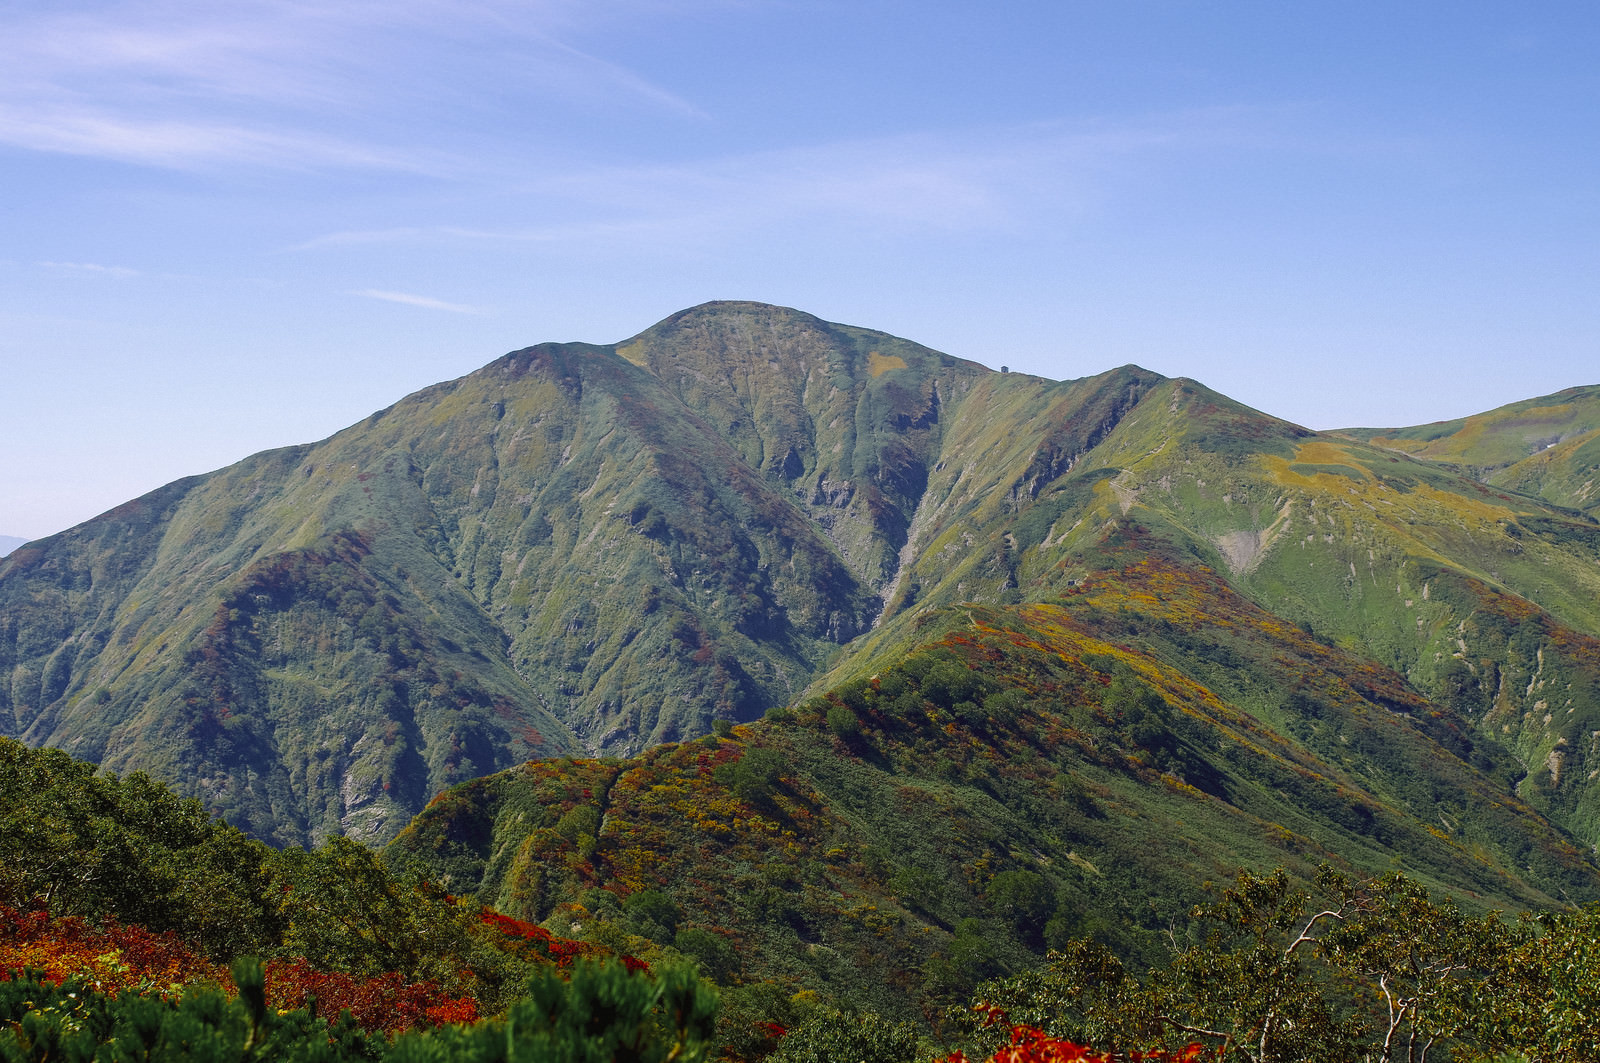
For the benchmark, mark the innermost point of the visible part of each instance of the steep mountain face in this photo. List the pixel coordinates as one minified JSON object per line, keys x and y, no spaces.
{"x":597,"y":549}
{"x":569,"y":549}
{"x":1485,"y":600}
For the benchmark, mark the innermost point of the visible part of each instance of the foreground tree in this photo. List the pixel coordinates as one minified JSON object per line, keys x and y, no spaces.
{"x":84,"y":843}
{"x":601,"y":1013}
{"x":1377,"y":972}
{"x":1543,"y":1000}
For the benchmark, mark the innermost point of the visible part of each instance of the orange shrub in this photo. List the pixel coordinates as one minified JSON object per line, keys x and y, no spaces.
{"x":111,"y":957}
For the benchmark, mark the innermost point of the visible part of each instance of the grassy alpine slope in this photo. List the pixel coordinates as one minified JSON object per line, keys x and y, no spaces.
{"x":1486,"y":444}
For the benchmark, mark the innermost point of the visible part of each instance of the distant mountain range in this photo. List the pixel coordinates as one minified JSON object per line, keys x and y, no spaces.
{"x":9,"y":543}
{"x":1119,"y":633}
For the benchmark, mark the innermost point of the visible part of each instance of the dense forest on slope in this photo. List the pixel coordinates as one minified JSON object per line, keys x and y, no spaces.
{"x":126,"y":852}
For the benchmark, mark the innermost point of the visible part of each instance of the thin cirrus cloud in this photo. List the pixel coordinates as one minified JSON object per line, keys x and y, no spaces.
{"x":992,"y":180}
{"x":422,"y":301}
{"x":621,"y":80}
{"x":181,"y":144}
{"x":88,"y":269}
{"x":183,"y":83}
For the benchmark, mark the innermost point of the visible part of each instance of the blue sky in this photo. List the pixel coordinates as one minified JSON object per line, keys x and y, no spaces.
{"x":231,"y":226}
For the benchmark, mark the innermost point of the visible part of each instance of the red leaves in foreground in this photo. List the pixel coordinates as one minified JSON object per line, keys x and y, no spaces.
{"x":386,"y":1002}
{"x":1031,"y":1045}
{"x":113,"y":958}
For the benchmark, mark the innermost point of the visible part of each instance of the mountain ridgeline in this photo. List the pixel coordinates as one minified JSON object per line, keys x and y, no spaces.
{"x":1258,"y":639}
{"x":576,"y":548}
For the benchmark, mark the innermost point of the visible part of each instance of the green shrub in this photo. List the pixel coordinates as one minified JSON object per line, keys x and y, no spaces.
{"x":583,"y":819}
{"x":1023,"y":899}
{"x":754,"y":776}
{"x":842,"y":722}
{"x":42,"y":1021}
{"x":832,"y":1036}
{"x":602,"y":1014}
{"x":653,"y":915}
{"x":712,"y":952}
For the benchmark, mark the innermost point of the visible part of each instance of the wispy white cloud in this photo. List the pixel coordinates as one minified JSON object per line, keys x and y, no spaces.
{"x":183,"y":144}
{"x":570,"y":232}
{"x":423,"y":301}
{"x":288,"y":83}
{"x":621,"y":79}
{"x":993,"y":180}
{"x":89,"y":269}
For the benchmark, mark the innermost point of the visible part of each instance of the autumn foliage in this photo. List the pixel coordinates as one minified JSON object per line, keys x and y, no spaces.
{"x":111,"y":957}
{"x":1032,"y":1045}
{"x":532,"y":940}
{"x":114,"y":958}
{"x":386,"y":1003}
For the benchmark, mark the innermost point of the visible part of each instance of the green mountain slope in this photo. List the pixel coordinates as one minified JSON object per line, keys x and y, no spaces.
{"x":597,"y":549}
{"x":1484,"y":600}
{"x":1499,"y":437}
{"x":1153,"y":637}
{"x":1565,"y":473}
{"x":563,"y":550}
{"x":1021,"y":775}
{"x":1548,"y":446}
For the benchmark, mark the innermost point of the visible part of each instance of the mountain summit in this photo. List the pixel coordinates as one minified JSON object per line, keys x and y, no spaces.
{"x":576,"y":547}
{"x":598,"y":548}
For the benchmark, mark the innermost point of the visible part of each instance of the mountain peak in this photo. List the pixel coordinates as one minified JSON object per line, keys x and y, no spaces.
{"x":600,"y":548}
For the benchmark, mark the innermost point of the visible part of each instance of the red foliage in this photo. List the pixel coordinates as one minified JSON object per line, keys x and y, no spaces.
{"x":542,"y":943}
{"x":386,"y":1003}
{"x":111,"y":957}
{"x":1031,"y":1045}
